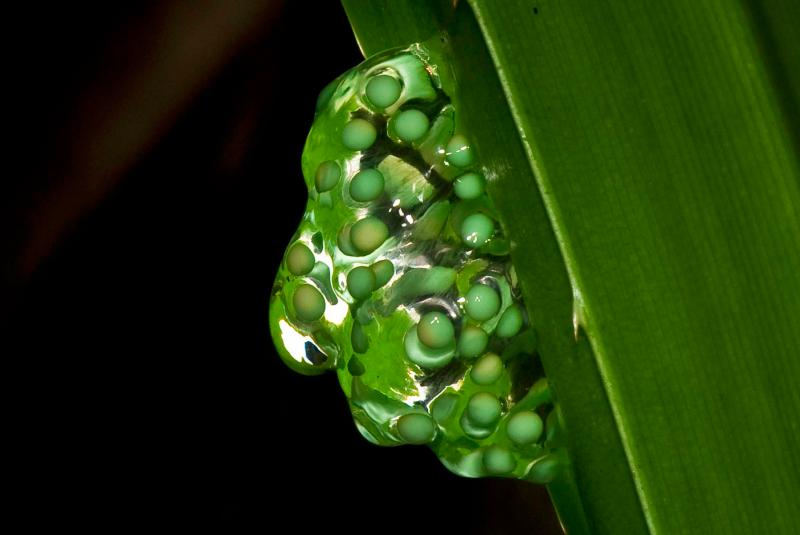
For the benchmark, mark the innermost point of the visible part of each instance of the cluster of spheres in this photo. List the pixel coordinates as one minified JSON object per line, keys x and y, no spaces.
{"x":399,"y":279}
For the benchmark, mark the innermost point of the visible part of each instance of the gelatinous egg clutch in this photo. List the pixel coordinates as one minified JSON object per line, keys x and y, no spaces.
{"x":399,"y":279}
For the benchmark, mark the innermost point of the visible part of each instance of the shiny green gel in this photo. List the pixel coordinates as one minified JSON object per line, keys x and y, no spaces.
{"x":398,"y":278}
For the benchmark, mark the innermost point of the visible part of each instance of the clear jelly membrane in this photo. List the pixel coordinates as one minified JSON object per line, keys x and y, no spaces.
{"x":399,"y":279}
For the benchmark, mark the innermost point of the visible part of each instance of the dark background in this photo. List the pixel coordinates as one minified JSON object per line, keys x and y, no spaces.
{"x":156,"y":181}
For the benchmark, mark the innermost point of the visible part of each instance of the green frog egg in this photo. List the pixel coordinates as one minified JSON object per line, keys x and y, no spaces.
{"x":424,"y":356}
{"x":387,"y":278}
{"x":476,"y":229}
{"x":416,"y":428}
{"x":482,"y":302}
{"x":327,"y":175}
{"x":355,"y":367}
{"x":309,"y":305}
{"x":545,"y":470}
{"x":459,"y":152}
{"x":498,"y":460}
{"x":368,"y":234}
{"x":483,"y":409}
{"x":472,"y":342}
{"x":360,"y":282}
{"x":383,"y":90}
{"x":359,"y":134}
{"x":344,"y":242}
{"x":358,"y":339}
{"x":469,"y":186}
{"x":435,"y":330}
{"x":384,"y":271}
{"x":299,"y":259}
{"x":367,"y":185}
{"x":510,"y":322}
{"x":524,"y":428}
{"x":410,"y":125}
{"x":487,"y":369}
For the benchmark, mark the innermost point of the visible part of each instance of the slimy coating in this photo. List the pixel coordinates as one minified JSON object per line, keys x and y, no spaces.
{"x":399,"y":279}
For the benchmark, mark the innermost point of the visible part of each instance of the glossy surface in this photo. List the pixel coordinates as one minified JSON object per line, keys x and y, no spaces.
{"x":396,"y":303}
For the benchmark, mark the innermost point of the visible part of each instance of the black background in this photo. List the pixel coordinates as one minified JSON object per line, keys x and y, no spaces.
{"x":142,"y":385}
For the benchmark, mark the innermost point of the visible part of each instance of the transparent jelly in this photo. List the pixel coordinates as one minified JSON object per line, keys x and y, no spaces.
{"x":399,"y":278}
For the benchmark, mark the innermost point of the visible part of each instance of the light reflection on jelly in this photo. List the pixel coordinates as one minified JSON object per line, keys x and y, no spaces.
{"x":440,"y":246}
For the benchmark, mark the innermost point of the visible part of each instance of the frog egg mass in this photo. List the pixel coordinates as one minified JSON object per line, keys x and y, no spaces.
{"x":399,"y":280}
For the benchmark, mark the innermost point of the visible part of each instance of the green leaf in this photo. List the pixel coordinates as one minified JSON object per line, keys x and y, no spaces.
{"x":648,"y":173}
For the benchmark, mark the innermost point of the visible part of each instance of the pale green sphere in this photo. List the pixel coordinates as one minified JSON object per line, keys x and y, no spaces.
{"x":545,"y":470}
{"x":472,"y":342}
{"x":360,"y":282}
{"x":367,"y":185}
{"x":498,"y":460}
{"x":476,"y":229}
{"x":416,"y":428}
{"x":482,"y":302}
{"x":299,"y":259}
{"x":435,"y":330}
{"x":459,"y":152}
{"x":309,"y":305}
{"x":487,"y":369}
{"x":483,"y":409}
{"x":359,"y":134}
{"x":328,"y":174}
{"x":510,"y":322}
{"x":410,"y":125}
{"x":524,"y":428}
{"x":383,"y":90}
{"x":368,"y":234}
{"x":469,"y":186}
{"x":383,"y":270}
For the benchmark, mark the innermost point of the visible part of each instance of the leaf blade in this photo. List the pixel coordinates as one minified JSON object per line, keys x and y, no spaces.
{"x":644,"y":128}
